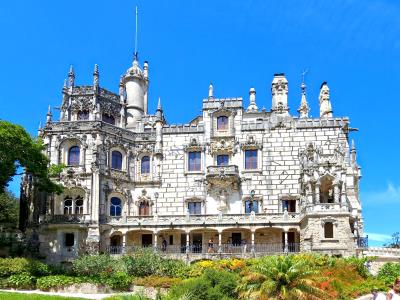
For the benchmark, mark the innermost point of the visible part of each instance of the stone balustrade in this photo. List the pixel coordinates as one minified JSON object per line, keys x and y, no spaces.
{"x":59,"y":219}
{"x":382,"y":252}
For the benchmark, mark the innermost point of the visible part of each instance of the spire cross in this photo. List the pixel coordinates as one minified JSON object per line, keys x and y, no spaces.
{"x":303,"y":75}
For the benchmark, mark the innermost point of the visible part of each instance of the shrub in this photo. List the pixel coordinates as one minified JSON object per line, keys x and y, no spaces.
{"x":156,"y":281}
{"x":23,"y":281}
{"x":14,"y":266}
{"x":389,"y":272}
{"x":118,"y":281}
{"x":89,"y":265}
{"x":55,"y":281}
{"x":172,"y":268}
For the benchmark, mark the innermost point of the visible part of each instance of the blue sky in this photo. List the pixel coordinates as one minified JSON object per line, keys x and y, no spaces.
{"x":354,"y":45}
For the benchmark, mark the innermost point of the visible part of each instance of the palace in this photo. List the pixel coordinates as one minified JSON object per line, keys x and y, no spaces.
{"x":236,"y":180}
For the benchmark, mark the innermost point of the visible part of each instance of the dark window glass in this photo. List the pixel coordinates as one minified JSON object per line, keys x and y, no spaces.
{"x":328,"y":229}
{"x":194,"y":161}
{"x":79,"y":205}
{"x":222,"y":123}
{"x":69,"y":240}
{"x":108,"y":119}
{"x":68,"y":206}
{"x":222,"y":160}
{"x":116,"y":160}
{"x":83,"y":115}
{"x":145,"y":167}
{"x":289,"y":205}
{"x":144,"y":208}
{"x":250,"y":206}
{"x":250,"y":159}
{"x":194,"y":208}
{"x":115,"y":207}
{"x":73,"y":156}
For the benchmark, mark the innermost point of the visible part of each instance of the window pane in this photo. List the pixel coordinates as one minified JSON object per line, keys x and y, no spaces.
{"x":250,"y":206}
{"x":222,"y":160}
{"x":145,"y":167}
{"x":115,"y":207}
{"x":194,"y":162}
{"x":116,"y":160}
{"x":83,"y":115}
{"x":328,"y":228}
{"x":222,"y":123}
{"x":108,"y":119}
{"x":73,"y":156}
{"x":251,"y":159}
{"x":194,"y":208}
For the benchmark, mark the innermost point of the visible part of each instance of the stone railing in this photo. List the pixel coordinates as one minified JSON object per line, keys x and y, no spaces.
{"x":325,"y":207}
{"x":59,"y":219}
{"x":382,"y":252}
{"x":223,"y":170}
{"x":262,"y":219}
{"x":186,"y":128}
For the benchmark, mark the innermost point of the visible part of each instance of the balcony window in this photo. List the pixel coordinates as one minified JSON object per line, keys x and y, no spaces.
{"x":68,"y":206}
{"x":145,"y":165}
{"x":222,"y":160}
{"x":108,"y":119}
{"x":289,"y":205}
{"x":250,"y":206}
{"x":83,"y":115}
{"x":73,"y":156}
{"x":115,"y":207}
{"x":194,"y":161}
{"x":144,"y":208}
{"x":116,"y":160}
{"x":79,"y":205}
{"x":328,"y":230}
{"x":69,"y":240}
{"x":222,"y":123}
{"x":250,"y":157}
{"x":194,"y":208}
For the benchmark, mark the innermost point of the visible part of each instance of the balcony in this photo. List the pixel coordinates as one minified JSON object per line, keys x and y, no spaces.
{"x":223,"y":176}
{"x":65,"y":219}
{"x":326,"y":208}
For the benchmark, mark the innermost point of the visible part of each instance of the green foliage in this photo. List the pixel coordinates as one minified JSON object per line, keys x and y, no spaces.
{"x":55,"y":281}
{"x":15,"y":266}
{"x":389,"y":272}
{"x":90,"y":265}
{"x":118,"y":281}
{"x":18,"y":296}
{"x":9,"y":210}
{"x":19,"y":150}
{"x":136,"y":296}
{"x":359,"y":263}
{"x":55,"y":170}
{"x":22,"y":281}
{"x":156,"y":281}
{"x":395,"y":243}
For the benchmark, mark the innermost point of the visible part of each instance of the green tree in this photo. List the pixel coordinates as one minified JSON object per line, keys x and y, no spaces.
{"x":9,"y":210}
{"x":18,"y":150}
{"x":281,"y":278}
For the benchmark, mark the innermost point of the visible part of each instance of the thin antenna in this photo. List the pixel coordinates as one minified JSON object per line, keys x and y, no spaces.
{"x":303,"y":75}
{"x":136,"y":34}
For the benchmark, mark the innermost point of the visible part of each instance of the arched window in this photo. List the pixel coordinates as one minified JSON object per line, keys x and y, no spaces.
{"x":144,"y":208}
{"x":108,"y":119}
{"x":68,"y":206}
{"x":83,"y":115}
{"x":115,"y":207}
{"x":145,"y":165}
{"x":116,"y":160}
{"x":328,"y":230}
{"x":222,"y":123}
{"x":73,"y":156}
{"x":79,"y":205}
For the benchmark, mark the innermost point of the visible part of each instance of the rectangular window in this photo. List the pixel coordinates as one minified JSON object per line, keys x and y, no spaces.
{"x":250,"y":157}
{"x":289,"y":205}
{"x":171,"y":239}
{"x":250,"y":206}
{"x":194,"y":208}
{"x":222,"y":160}
{"x":222,"y":123}
{"x":194,"y":161}
{"x":69,"y":240}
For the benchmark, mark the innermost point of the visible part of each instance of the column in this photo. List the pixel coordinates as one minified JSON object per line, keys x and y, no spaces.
{"x":336,"y":193}
{"x":187,"y":242}
{"x":286,"y":246}
{"x":155,"y":241}
{"x":317,"y":200}
{"x":252,"y":242}
{"x":309,"y":193}
{"x":123,"y":243}
{"x":219,"y":241}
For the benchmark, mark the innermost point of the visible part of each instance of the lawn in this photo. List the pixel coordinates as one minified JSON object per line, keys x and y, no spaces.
{"x":22,"y":296}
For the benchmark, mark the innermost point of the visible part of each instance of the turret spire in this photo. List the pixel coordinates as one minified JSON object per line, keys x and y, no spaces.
{"x":279,"y":91}
{"x":252,"y":95}
{"x":49,"y":115}
{"x":159,"y":104}
{"x":96,"y":76}
{"x":325,"y":107}
{"x":71,"y":76}
{"x":210,"y":91}
{"x":303,"y":109}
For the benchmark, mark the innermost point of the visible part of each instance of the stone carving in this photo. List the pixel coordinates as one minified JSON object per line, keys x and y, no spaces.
{"x":223,"y":145}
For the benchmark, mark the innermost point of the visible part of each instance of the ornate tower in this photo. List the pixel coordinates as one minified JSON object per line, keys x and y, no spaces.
{"x":325,"y":107}
{"x":303,"y":109}
{"x":280,"y":94}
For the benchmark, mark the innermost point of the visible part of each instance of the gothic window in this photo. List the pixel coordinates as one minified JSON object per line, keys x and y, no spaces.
{"x":250,"y":159}
{"x":326,"y":191}
{"x":68,"y":206}
{"x":194,"y":208}
{"x":79,"y":205}
{"x":73,"y":156}
{"x":250,"y":205}
{"x":69,"y":240}
{"x":83,"y":115}
{"x":145,"y":165}
{"x":289,"y":205}
{"x":328,"y":230}
{"x":115,"y":207}
{"x":194,"y":161}
{"x":144,"y":208}
{"x":108,"y":119}
{"x":222,"y":123}
{"x":116,"y":160}
{"x":222,"y":160}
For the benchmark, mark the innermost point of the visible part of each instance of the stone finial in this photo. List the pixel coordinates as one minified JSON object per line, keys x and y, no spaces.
{"x":39,"y":133}
{"x":65,"y":84}
{"x":303,"y":109}
{"x":353,"y":154}
{"x":252,"y":96}
{"x":146,"y":69}
{"x":279,"y":91}
{"x":71,"y":76}
{"x":159,"y":104}
{"x":159,"y":112}
{"x":211,"y":91}
{"x":96,"y":76}
{"x":49,"y":115}
{"x":325,"y":107}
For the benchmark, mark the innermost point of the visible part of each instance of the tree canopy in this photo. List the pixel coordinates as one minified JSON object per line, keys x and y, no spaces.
{"x":19,"y":150}
{"x":9,"y":210}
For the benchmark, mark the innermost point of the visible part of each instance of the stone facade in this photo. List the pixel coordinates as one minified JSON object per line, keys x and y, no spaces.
{"x":234,"y":180}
